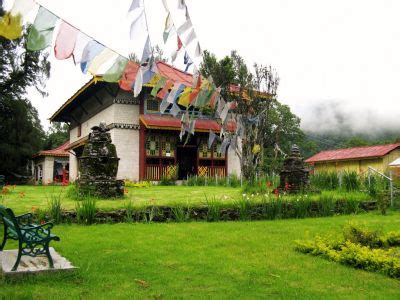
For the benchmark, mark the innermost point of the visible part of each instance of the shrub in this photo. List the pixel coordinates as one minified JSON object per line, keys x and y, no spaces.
{"x":86,"y":210}
{"x":244,"y":207}
{"x":138,"y":184}
{"x":350,"y":181}
{"x":180,"y":213}
{"x":167,"y":181}
{"x":324,"y":180}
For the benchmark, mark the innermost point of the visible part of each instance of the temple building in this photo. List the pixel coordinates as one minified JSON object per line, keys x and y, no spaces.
{"x":51,"y":166}
{"x":147,"y":141}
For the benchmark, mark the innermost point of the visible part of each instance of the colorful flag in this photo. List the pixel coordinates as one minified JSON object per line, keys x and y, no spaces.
{"x":11,"y":22}
{"x":92,"y":49}
{"x":41,"y":33}
{"x":158,"y":86}
{"x":11,"y":26}
{"x":148,"y":75}
{"x":164,"y":104}
{"x":156,"y":78}
{"x":128,"y":76}
{"x":161,"y":94}
{"x":193,"y":95}
{"x":105,"y":56}
{"x":184,"y":97}
{"x":175,"y":110}
{"x":65,"y":41}
{"x":114,"y":73}
{"x":81,"y":41}
{"x":178,"y":88}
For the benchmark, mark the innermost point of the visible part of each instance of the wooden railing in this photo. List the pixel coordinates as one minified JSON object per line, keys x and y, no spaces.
{"x":157,"y":172}
{"x":205,"y":171}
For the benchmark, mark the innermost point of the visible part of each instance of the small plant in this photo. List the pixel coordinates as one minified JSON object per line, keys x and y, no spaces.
{"x":55,"y":209}
{"x":129,"y":212}
{"x":86,"y":210}
{"x":243,"y":205}
{"x":351,"y":181}
{"x":180,"y":213}
{"x":383,"y":202}
{"x":213,"y":209}
{"x":167,"y":181}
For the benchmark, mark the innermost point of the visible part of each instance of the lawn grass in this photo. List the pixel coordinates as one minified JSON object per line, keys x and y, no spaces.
{"x":205,"y":260}
{"x":24,"y":198}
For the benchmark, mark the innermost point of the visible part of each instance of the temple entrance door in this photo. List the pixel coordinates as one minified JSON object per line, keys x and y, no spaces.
{"x":187,"y":161}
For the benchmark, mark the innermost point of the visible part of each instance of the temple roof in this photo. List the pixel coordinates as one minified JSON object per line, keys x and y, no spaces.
{"x":60,"y":151}
{"x":353,"y":153}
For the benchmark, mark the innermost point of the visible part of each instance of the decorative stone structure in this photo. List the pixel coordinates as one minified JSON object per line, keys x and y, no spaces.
{"x":294,"y":175}
{"x":99,"y":165}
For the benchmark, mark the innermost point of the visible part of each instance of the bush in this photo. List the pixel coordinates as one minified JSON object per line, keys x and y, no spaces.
{"x":138,"y":184}
{"x":167,"y":181}
{"x":324,"y":181}
{"x":350,"y":181}
{"x":54,"y":207}
{"x":360,"y":249}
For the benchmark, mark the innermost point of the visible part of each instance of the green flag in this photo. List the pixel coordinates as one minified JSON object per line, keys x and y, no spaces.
{"x":158,"y":86}
{"x":114,"y":73}
{"x":41,"y":33}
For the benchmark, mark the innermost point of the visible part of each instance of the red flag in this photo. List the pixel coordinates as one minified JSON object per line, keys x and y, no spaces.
{"x":129,"y":76}
{"x":179,"y":44}
{"x":161,"y":94}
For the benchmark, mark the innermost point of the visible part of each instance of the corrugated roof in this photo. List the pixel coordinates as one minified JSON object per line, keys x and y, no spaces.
{"x":169,"y":122}
{"x":60,"y":151}
{"x":353,"y":153}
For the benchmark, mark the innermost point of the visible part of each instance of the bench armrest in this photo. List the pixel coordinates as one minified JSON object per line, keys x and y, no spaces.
{"x":25,"y":218}
{"x":42,"y":229}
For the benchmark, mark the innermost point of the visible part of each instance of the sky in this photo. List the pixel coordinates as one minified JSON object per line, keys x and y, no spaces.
{"x":332,"y":57}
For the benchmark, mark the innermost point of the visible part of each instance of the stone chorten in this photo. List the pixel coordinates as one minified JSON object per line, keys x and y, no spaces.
{"x":294,"y":174}
{"x":99,"y":165}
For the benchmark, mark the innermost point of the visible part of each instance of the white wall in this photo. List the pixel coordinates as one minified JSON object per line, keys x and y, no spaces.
{"x":48,"y":170}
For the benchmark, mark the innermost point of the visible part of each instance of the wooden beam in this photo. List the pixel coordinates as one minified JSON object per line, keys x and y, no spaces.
{"x":98,"y":99}
{"x":84,"y":110}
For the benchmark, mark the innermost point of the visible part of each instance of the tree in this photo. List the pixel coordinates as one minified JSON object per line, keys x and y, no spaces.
{"x":264,"y":122}
{"x":57,"y":134}
{"x":20,"y":129}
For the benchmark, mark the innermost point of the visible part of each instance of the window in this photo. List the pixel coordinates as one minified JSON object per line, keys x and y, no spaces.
{"x":152,"y":105}
{"x":79,"y":133}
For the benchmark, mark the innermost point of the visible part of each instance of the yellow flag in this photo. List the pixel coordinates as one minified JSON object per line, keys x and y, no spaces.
{"x":156,"y":78}
{"x":184,"y":98}
{"x":11,"y":26}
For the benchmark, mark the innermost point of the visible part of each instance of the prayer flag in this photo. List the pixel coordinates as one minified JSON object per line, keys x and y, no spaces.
{"x":136,"y":4}
{"x":11,"y":26}
{"x":137,"y":86}
{"x":148,"y":75}
{"x":184,"y":98}
{"x":146,"y":51}
{"x":41,"y":32}
{"x":128,"y":76}
{"x":175,"y":110}
{"x":178,"y":88}
{"x":184,"y":27}
{"x":158,"y":86}
{"x":65,"y":41}
{"x":198,"y":50}
{"x":164,"y":104}
{"x":104,"y":56}
{"x":211,"y":139}
{"x":114,"y":73}
{"x":161,"y":94}
{"x":92,"y":49}
{"x":190,"y":38}
{"x":81,"y":41}
{"x":193,"y":95}
{"x":156,"y":78}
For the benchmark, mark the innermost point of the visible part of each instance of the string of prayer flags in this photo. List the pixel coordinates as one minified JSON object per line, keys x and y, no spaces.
{"x":104,"y":56}
{"x":41,"y":33}
{"x":114,"y":73}
{"x":65,"y":41}
{"x":154,"y":80}
{"x":198,"y":50}
{"x":161,"y":94}
{"x":214,"y":97}
{"x":211,"y":139}
{"x":224,"y":112}
{"x":184,"y":98}
{"x":193,"y":95}
{"x":224,"y":145}
{"x":148,"y":75}
{"x":158,"y":86}
{"x":192,"y":126}
{"x":128,"y":76}
{"x":167,"y":27}
{"x":91,"y":50}
{"x":220,"y":107}
{"x":22,"y":7}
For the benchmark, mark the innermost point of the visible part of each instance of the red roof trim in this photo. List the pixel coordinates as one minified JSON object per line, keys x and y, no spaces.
{"x":171,"y":123}
{"x":353,"y":153}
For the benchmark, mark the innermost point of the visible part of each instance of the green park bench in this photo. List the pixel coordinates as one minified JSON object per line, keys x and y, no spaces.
{"x":33,"y":239}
